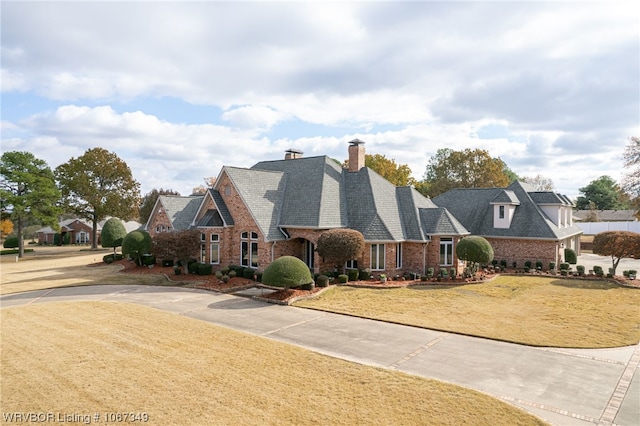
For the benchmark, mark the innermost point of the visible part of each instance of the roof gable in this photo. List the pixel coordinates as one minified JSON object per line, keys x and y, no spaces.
{"x":262,"y":192}
{"x":180,"y":210}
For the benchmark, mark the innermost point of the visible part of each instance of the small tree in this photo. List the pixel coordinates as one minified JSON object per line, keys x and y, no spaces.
{"x":113,"y":232}
{"x":618,"y":245}
{"x":474,"y":249}
{"x":340,"y":245}
{"x":135,"y":244}
{"x":176,"y":245}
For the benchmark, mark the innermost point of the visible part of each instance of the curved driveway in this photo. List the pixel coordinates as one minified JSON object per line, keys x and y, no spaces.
{"x":561,"y":386}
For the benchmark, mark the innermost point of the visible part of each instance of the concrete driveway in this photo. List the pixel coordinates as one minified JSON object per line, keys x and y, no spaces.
{"x":561,"y":386}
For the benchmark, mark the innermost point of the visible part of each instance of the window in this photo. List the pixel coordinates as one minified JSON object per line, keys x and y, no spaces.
{"x":377,"y":257}
{"x":203,"y":237}
{"x":203,"y":253}
{"x":249,"y":249}
{"x":501,"y":214}
{"x":446,"y":251}
{"x":214,"y":249}
{"x":352,"y":264}
{"x":399,"y":255}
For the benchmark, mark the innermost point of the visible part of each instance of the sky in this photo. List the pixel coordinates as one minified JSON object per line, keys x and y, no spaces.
{"x":179,"y":89}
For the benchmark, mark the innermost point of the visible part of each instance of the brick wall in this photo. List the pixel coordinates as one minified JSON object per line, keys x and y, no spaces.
{"x":522,"y":250}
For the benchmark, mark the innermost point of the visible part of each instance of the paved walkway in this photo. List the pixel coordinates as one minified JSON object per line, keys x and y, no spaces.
{"x":561,"y":386}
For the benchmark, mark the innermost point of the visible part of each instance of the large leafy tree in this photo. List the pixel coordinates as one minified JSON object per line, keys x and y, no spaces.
{"x":449,"y":169}
{"x":397,"y":174}
{"x":340,"y":245}
{"x":28,"y":190}
{"x":605,"y":193}
{"x":98,"y":184}
{"x":149,"y":200}
{"x":618,"y":245}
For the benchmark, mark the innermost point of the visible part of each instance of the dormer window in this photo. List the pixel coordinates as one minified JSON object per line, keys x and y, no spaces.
{"x":504,"y":207}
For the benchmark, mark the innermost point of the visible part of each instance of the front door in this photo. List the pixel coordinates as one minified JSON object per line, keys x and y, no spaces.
{"x":309,"y":251}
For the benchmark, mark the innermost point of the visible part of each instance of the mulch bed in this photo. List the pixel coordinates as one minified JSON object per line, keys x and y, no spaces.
{"x":210,"y":282}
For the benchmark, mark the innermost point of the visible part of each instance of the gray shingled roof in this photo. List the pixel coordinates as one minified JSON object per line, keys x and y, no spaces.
{"x":548,"y":198}
{"x":372,"y":206}
{"x":438,"y":221}
{"x":180,"y":210}
{"x":506,"y":197}
{"x":223,"y":210}
{"x":473,"y":209}
{"x":317,"y":193}
{"x":263,"y":193}
{"x":313,"y":195}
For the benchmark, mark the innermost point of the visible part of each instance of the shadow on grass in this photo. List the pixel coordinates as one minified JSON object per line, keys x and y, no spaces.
{"x":586,"y":284}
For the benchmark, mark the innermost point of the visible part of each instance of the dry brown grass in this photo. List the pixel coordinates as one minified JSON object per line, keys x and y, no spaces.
{"x":62,"y":269}
{"x":88,"y":357}
{"x":540,"y":311}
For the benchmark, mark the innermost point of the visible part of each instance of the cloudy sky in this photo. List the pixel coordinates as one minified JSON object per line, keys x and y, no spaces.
{"x":178,"y":90}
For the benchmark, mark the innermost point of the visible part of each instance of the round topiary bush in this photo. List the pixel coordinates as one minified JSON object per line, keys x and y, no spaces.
{"x":135,"y":244}
{"x":287,"y":271}
{"x":11,"y":242}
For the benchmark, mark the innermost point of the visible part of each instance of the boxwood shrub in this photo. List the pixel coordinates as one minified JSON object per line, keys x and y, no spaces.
{"x":322,"y":281}
{"x":204,"y":268}
{"x":353,"y":274}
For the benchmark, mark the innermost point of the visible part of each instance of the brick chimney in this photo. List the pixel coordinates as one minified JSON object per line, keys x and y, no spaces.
{"x":356,"y":155}
{"x":292,"y":154}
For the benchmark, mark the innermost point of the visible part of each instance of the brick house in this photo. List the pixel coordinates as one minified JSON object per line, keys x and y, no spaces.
{"x":520,"y":223}
{"x":254,"y":215}
{"x":79,"y":231}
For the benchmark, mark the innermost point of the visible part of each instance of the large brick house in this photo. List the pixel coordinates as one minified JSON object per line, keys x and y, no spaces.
{"x":275,"y":208}
{"x":254,"y":215}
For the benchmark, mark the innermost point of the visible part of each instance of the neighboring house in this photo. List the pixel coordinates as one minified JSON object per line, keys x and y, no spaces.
{"x":606,"y":215}
{"x":254,"y":215}
{"x":521,"y":224}
{"x":79,"y":231}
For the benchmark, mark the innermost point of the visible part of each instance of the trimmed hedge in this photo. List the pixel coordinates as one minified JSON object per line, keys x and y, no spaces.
{"x":570,"y":256}
{"x":353,"y":274}
{"x":11,"y":242}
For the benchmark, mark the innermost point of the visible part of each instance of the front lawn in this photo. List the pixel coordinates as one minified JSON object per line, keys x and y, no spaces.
{"x":103,"y":357}
{"x":540,"y":311}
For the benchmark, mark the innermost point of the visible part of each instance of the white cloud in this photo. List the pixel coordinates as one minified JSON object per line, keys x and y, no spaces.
{"x":408,"y":78}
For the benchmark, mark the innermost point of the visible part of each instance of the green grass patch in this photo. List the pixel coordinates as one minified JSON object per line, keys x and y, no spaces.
{"x":540,"y":311}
